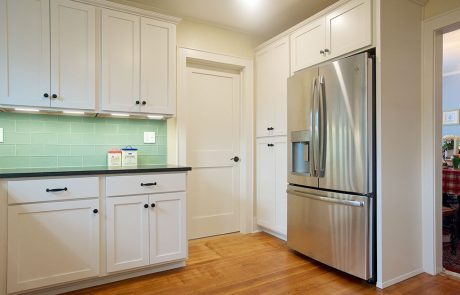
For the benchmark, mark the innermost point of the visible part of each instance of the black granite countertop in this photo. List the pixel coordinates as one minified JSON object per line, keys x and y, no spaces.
{"x":70,"y":171}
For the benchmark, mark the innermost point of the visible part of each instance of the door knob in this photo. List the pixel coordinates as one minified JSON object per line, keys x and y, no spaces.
{"x":235,"y":159}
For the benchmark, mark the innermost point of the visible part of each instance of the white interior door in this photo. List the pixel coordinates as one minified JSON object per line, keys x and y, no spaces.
{"x":213,"y":138}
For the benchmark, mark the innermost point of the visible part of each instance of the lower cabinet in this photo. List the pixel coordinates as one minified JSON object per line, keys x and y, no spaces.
{"x":145,"y":229}
{"x":52,"y":243}
{"x":271,"y":177}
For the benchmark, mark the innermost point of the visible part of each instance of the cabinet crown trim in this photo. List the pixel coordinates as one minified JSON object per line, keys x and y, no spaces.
{"x":131,"y":9}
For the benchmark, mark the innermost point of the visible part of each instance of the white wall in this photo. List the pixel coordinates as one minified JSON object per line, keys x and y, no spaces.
{"x":398,"y":149}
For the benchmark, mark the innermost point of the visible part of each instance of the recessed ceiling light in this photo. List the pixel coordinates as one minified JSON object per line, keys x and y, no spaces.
{"x":26,"y":110}
{"x":251,"y":4}
{"x":119,"y":115}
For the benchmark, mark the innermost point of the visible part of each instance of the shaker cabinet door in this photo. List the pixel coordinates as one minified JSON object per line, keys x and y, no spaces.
{"x":127,"y":232}
{"x":158,"y":67}
{"x":120,"y":61}
{"x":73,"y":50}
{"x":168,"y":240}
{"x":52,"y":243}
{"x":24,"y":53}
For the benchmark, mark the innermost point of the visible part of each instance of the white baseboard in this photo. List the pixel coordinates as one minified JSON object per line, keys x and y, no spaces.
{"x":105,"y":280}
{"x":383,"y":285}
{"x":273,"y":233}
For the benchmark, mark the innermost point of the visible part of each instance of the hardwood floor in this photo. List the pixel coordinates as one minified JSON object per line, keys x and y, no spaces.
{"x":260,"y":264}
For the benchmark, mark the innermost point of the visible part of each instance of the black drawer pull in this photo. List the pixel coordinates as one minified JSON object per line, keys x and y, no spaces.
{"x":270,"y":128}
{"x":56,"y":190}
{"x":270,"y":144}
{"x":149,"y":184}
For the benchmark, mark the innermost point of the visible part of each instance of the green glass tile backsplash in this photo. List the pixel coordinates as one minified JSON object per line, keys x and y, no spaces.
{"x":39,"y":141}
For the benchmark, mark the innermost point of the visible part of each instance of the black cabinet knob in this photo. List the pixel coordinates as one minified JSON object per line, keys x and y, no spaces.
{"x":54,"y":96}
{"x":326,"y":50}
{"x":95,"y":211}
{"x":153,"y":205}
{"x":321,"y":51}
{"x":235,"y":159}
{"x":138,"y":102}
{"x":46,"y":95}
{"x":146,"y":205}
{"x":144,"y":103}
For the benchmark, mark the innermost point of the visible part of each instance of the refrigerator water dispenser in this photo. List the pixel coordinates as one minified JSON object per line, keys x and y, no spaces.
{"x":300,"y":152}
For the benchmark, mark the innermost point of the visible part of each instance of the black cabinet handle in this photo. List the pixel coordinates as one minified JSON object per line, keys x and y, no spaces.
{"x":153,"y":205}
{"x":270,"y":128}
{"x":146,"y":205}
{"x":95,"y":211}
{"x":138,"y":102}
{"x":56,"y":190}
{"x":144,"y":103}
{"x":321,"y":51}
{"x":54,"y":96}
{"x":149,"y":184}
{"x":46,"y":95}
{"x":326,"y":50}
{"x":270,"y":144}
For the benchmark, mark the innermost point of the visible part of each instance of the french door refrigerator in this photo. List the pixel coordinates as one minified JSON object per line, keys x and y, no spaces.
{"x":331,"y":164}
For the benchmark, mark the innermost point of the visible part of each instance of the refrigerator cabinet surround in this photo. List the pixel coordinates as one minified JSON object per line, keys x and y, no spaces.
{"x":332,"y":228}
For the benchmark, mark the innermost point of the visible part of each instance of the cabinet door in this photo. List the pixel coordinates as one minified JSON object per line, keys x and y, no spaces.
{"x":127,"y":232}
{"x":168,"y":240}
{"x":272,"y":72}
{"x":266,"y":175}
{"x":52,"y":243}
{"x":272,"y":183}
{"x":120,"y":61}
{"x":25,"y":52}
{"x":73,"y":37}
{"x":158,"y":67}
{"x":349,"y":28}
{"x":307,"y":44}
{"x":280,"y":181}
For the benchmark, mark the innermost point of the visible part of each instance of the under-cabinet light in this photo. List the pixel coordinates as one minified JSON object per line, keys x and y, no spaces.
{"x":119,"y":115}
{"x":155,"y":117}
{"x":73,"y":112}
{"x":26,"y":110}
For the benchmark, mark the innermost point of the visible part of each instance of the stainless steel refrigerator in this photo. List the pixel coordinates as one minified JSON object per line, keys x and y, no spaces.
{"x":331,"y":164}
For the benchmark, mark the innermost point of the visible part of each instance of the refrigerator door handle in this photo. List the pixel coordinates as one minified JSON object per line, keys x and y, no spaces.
{"x":322,"y":126}
{"x":313,"y":131}
{"x":326,"y":199}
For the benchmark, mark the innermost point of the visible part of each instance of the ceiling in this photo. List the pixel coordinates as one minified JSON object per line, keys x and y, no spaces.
{"x":451,"y":53}
{"x":261,"y":19}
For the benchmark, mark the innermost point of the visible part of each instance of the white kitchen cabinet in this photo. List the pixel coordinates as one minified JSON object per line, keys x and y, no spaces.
{"x":271,"y":184}
{"x":272,"y":71}
{"x":138,"y":64}
{"x":25,"y":54}
{"x":146,"y":217}
{"x":342,"y":30}
{"x":48,"y":63}
{"x":73,"y":55}
{"x":52,"y":243}
{"x":167,"y":227}
{"x":127,"y":232}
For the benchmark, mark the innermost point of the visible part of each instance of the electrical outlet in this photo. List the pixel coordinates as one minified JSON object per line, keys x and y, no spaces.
{"x":1,"y":135}
{"x":149,"y":137}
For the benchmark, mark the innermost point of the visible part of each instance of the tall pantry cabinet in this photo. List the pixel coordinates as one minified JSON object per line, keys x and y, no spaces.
{"x":272,"y":71}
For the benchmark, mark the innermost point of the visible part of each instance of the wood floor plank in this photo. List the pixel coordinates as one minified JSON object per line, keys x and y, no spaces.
{"x":261,"y":264}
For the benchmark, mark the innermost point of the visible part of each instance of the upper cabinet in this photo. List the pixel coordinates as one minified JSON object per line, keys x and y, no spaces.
{"x":138,"y":64}
{"x":272,"y":71}
{"x":48,"y":56}
{"x":342,"y":30}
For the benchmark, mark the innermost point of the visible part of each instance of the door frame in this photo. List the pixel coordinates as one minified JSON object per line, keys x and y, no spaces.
{"x":432,"y":32}
{"x":245,"y":69}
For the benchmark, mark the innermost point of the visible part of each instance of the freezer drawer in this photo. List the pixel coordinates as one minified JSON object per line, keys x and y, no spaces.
{"x":331,"y":228}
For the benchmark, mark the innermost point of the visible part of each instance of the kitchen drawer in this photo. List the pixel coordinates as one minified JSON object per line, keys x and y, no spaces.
{"x":29,"y":191}
{"x":144,"y":184}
